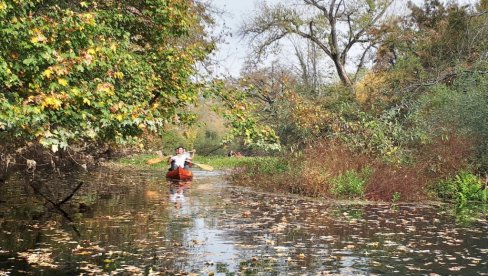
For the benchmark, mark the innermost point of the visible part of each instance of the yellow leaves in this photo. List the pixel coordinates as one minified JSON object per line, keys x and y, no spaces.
{"x":370,"y":87}
{"x":47,"y":73}
{"x":51,"y":102}
{"x":87,"y":101}
{"x":307,"y":114}
{"x":155,"y":106}
{"x":56,"y":70}
{"x":91,"y":51}
{"x":119,"y":75}
{"x":106,"y":88}
{"x":88,"y":56}
{"x":63,"y":82}
{"x":3,"y":6}
{"x":88,"y":18}
{"x":37,"y":103}
{"x":38,"y":37}
{"x":75,"y":91}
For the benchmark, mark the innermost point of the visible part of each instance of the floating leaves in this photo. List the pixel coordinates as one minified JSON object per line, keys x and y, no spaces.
{"x":39,"y":258}
{"x":134,"y":228}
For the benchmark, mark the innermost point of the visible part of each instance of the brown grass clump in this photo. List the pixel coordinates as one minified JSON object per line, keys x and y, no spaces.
{"x":437,"y":160}
{"x":387,"y":180}
{"x":311,"y":171}
{"x":326,"y":160}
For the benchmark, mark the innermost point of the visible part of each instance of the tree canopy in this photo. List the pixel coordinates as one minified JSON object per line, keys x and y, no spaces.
{"x":81,"y":71}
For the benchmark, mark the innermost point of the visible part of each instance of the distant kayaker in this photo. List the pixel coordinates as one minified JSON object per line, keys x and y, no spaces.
{"x":235,"y":154}
{"x":181,"y":159}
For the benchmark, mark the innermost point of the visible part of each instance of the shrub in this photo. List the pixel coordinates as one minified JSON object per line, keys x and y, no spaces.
{"x":462,"y":188}
{"x":460,"y":108}
{"x":350,"y":184}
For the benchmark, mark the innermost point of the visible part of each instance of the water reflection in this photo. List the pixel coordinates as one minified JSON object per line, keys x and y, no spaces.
{"x":177,"y":192}
{"x":134,"y":222}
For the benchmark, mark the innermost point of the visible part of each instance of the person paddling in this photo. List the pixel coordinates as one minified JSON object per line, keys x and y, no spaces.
{"x":181,"y":159}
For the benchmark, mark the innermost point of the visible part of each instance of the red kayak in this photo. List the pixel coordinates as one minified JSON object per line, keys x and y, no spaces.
{"x":179,"y":174}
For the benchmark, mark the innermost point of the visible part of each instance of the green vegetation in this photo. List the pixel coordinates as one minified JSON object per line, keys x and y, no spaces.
{"x":81,"y":81}
{"x":462,"y":188}
{"x":230,"y":163}
{"x":417,"y":117}
{"x":86,"y":71}
{"x":218,"y":162}
{"x":396,"y":197}
{"x":350,"y":184}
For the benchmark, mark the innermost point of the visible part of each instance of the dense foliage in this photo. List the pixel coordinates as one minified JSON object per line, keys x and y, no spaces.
{"x":76,"y":71}
{"x":417,"y":117}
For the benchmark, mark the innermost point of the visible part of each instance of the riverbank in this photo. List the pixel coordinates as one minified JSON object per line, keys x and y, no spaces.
{"x":336,"y":173}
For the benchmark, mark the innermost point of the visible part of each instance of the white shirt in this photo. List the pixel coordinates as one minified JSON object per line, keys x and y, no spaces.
{"x":180,"y":159}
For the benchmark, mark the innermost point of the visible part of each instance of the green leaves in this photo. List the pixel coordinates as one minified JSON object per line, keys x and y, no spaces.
{"x":462,"y":188}
{"x":243,"y":120}
{"x":86,"y":72}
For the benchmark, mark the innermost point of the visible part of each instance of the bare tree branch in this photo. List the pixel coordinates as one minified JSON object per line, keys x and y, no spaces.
{"x":361,"y":62}
{"x":320,"y":23}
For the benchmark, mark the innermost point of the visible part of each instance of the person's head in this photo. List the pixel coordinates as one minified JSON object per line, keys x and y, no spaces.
{"x":180,"y":150}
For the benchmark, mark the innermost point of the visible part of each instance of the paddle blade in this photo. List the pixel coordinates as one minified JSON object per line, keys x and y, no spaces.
{"x":156,"y":160}
{"x":204,"y":166}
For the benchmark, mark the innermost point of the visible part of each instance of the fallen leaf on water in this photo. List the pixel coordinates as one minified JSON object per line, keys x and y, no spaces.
{"x":41,"y":257}
{"x":456,"y":268}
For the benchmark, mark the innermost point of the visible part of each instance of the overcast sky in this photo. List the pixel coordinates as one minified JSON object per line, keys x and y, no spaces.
{"x":232,"y":54}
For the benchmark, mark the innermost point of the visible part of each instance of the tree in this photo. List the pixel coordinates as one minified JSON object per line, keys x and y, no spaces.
{"x":268,"y":84}
{"x":240,"y":114}
{"x":334,"y":26}
{"x":86,"y":72}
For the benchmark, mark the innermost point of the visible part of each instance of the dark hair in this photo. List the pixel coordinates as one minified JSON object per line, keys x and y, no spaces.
{"x":180,"y":147}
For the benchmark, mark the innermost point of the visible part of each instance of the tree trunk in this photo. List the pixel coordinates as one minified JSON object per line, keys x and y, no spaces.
{"x":341,"y":71}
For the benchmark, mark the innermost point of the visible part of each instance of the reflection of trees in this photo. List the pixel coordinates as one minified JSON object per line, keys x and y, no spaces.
{"x":118,"y":216}
{"x":58,"y":205}
{"x":128,"y":213}
{"x":136,"y":224}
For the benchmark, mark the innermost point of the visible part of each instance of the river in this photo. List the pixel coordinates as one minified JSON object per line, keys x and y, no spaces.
{"x":134,"y":222}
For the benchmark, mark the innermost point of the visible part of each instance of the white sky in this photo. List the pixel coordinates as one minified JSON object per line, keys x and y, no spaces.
{"x":232,"y":54}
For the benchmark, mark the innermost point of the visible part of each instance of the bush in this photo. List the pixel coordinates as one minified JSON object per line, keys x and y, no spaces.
{"x":462,"y":188}
{"x":460,"y":108}
{"x":350,"y":184}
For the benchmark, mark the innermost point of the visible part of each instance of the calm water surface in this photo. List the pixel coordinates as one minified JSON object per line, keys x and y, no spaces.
{"x":127,"y":222}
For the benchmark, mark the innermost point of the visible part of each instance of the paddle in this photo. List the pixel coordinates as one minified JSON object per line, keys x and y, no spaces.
{"x":203,"y":166}
{"x":156,"y":160}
